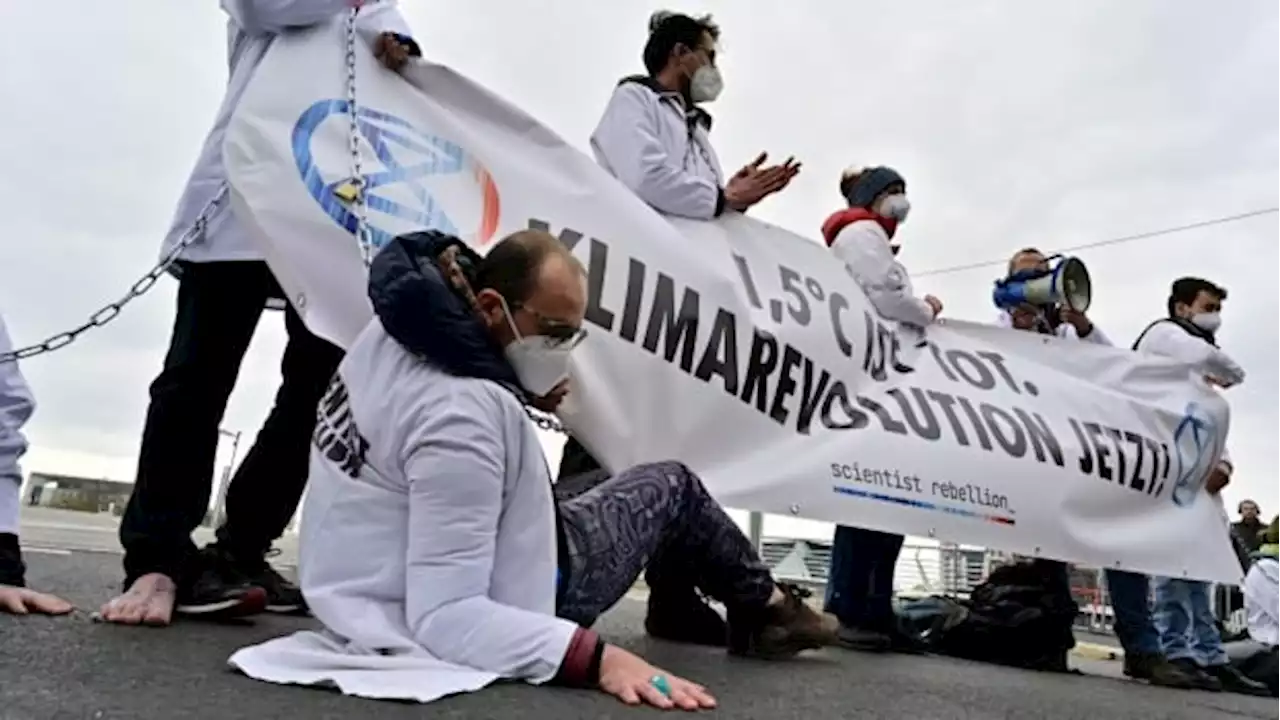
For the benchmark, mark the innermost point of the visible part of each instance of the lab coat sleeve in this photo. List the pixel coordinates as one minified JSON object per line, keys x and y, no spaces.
{"x":1095,"y":336}
{"x":16,"y":406}
{"x":863,"y":247}
{"x":627,"y":143}
{"x":456,"y":473}
{"x":1171,"y":341}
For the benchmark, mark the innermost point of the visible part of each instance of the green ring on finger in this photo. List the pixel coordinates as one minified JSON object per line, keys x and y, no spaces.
{"x":660,"y":683}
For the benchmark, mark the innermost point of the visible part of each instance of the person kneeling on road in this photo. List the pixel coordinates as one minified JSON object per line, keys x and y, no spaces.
{"x":16,"y":406}
{"x":432,"y":546}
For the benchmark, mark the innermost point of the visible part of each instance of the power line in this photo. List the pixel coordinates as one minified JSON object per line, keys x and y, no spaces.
{"x":1112,"y":241}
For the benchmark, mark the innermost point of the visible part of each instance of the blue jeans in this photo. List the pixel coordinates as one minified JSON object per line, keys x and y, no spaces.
{"x":860,"y":579}
{"x":1130,"y":602}
{"x":1185,"y":622}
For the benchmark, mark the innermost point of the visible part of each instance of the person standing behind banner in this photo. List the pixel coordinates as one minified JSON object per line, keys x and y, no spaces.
{"x":16,"y":406}
{"x":1129,"y":591}
{"x":860,"y":579}
{"x":1183,"y":616}
{"x":655,"y":138}
{"x":223,"y":287}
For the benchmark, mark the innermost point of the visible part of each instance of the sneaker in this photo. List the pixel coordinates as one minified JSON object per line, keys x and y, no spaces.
{"x":684,"y":618}
{"x":778,"y":631}
{"x":1234,"y":681}
{"x":1200,"y":680}
{"x":211,"y":591}
{"x":283,"y":597}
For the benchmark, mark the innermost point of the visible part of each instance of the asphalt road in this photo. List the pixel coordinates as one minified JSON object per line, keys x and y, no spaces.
{"x":73,"y":668}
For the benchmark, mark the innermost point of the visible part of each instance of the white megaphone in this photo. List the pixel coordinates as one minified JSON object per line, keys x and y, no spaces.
{"x":1065,"y":283}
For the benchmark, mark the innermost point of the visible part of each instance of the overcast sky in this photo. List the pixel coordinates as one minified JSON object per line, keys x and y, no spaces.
{"x":1015,"y":123}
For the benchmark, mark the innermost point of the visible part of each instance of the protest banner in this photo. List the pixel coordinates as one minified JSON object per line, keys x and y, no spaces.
{"x":740,"y":348}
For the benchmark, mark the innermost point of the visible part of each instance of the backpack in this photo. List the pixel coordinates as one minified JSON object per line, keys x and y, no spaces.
{"x":1021,"y":616}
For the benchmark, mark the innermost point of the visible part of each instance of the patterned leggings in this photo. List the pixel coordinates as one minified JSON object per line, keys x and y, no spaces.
{"x":658,"y":517}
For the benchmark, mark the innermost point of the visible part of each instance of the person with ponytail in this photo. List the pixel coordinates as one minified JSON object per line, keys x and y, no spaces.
{"x":863,"y":236}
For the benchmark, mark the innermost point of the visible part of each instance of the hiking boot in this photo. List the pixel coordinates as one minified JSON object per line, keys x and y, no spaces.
{"x":1234,"y":681}
{"x":1156,"y":670}
{"x":282,"y":596}
{"x":684,"y":617}
{"x":1200,"y":680}
{"x":778,"y":631}
{"x":863,"y":640}
{"x":211,"y":590}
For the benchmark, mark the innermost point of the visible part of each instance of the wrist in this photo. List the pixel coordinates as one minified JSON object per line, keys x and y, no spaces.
{"x":581,"y":664}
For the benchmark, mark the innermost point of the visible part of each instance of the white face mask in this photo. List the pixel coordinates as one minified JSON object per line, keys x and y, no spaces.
{"x":895,"y":207}
{"x":1208,"y":322}
{"x":541,"y":363}
{"x":706,"y":84}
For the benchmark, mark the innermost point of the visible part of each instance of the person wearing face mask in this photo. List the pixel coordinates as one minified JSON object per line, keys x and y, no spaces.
{"x":432,"y":547}
{"x":860,"y":579}
{"x":654,"y":134}
{"x":1183,"y":615}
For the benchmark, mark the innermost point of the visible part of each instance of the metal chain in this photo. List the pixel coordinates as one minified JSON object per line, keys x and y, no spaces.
{"x":357,"y":199}
{"x":110,"y":311}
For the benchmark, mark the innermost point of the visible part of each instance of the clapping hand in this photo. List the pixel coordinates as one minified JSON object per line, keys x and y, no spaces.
{"x":754,"y":181}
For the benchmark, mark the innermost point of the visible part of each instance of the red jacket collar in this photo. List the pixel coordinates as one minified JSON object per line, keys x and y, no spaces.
{"x":839,"y":220}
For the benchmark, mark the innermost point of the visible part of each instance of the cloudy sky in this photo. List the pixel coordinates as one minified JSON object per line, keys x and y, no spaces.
{"x":1048,"y":124}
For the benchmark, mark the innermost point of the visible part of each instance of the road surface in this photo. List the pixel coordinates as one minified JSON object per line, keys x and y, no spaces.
{"x":72,"y":668}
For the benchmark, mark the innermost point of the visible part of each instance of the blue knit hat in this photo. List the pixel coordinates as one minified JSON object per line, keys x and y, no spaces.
{"x":860,"y":186}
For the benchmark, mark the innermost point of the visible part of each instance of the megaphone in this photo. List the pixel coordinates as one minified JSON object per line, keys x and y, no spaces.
{"x":1065,"y":283}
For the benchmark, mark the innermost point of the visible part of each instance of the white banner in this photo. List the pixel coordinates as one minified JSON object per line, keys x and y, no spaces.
{"x":738,"y":347}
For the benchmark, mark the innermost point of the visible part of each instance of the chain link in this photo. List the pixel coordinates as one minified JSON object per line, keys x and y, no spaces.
{"x":357,"y":202}
{"x":111,"y":311}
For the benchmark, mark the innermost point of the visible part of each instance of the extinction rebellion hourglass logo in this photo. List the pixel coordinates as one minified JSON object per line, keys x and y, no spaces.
{"x":413,"y":180}
{"x":1195,"y":443}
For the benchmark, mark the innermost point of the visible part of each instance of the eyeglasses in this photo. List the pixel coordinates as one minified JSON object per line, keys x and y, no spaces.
{"x":557,"y":332}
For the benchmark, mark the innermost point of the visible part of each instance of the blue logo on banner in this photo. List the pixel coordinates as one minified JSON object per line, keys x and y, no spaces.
{"x":404,"y":160}
{"x":1195,"y":444}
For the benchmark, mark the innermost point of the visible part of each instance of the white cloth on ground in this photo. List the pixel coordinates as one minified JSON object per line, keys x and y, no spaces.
{"x":251,"y":27}
{"x":432,"y":564}
{"x":16,"y":407}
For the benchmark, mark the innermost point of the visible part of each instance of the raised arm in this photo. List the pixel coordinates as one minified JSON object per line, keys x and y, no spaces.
{"x":456,"y":474}
{"x":627,"y":142}
{"x":863,"y":247}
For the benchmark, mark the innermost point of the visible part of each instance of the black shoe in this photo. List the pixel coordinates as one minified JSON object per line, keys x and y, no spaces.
{"x":211,"y":590}
{"x":1200,"y":680}
{"x":282,"y":596}
{"x":1234,"y":681}
{"x":684,"y":617}
{"x":856,"y":638}
{"x":1156,"y":670}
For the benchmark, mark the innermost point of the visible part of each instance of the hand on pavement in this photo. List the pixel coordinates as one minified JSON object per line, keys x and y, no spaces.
{"x":24,"y":601}
{"x":630,"y":679}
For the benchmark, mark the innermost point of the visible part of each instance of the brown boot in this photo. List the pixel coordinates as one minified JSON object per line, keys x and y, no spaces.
{"x":781,"y":630}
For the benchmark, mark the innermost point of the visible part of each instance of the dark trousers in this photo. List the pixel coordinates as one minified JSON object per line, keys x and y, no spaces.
{"x":219,"y":305}
{"x":658,"y":517}
{"x":860,"y":579}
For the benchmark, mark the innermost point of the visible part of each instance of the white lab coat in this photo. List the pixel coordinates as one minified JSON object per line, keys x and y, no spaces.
{"x":644,"y":140}
{"x":433,"y":570}
{"x":863,"y":247}
{"x":251,"y":28}
{"x":1261,"y":600}
{"x":1065,"y":330}
{"x":1169,"y":340}
{"x":16,"y":406}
